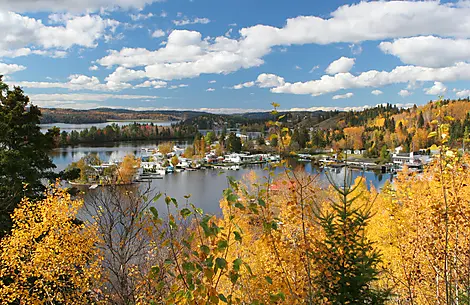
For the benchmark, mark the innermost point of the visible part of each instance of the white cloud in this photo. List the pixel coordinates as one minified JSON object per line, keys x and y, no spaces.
{"x":140,"y":16}
{"x":269,"y":80}
{"x":191,"y":55}
{"x":244,"y":85}
{"x":178,"y":86}
{"x":376,"y":92}
{"x":10,"y":68}
{"x":342,"y":65}
{"x":298,"y":67}
{"x":314,"y":68}
{"x":356,"y":49}
{"x":158,"y":33}
{"x":375,"y":79}
{"x":163,"y":14}
{"x":22,"y":32}
{"x":404,"y":93}
{"x":87,"y":97}
{"x":187,"y":21}
{"x":93,"y":68}
{"x":462,"y":93}
{"x":437,"y":89}
{"x":428,"y":51}
{"x":212,"y":81}
{"x":27,"y":51}
{"x":154,"y":83}
{"x":78,"y":82}
{"x":210,"y":89}
{"x":341,"y":96}
{"x":71,"y":5}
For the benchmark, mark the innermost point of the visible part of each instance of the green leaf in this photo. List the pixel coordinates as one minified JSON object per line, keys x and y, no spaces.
{"x":155,"y":199}
{"x":154,"y":212}
{"x":205,"y":249}
{"x":222,"y":244}
{"x":221,"y":263}
{"x":269,"y":280}
{"x":237,"y":263}
{"x":238,"y":237}
{"x":188,"y":266}
{"x":155,"y":271}
{"x":174,"y":202}
{"x":223,"y":298}
{"x":185,"y":212}
{"x":240,"y":206}
{"x":261,"y":202}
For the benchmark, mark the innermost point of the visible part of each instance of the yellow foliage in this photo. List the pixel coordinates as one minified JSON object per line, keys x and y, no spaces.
{"x":128,"y":168}
{"x":49,"y":258}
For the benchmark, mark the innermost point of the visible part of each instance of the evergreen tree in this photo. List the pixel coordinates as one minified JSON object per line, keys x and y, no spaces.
{"x":346,"y":260}
{"x":420,"y":120}
{"x":24,"y":159}
{"x":234,"y":143}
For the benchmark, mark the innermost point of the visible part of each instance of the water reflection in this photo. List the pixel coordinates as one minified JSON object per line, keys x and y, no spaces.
{"x":205,"y":186}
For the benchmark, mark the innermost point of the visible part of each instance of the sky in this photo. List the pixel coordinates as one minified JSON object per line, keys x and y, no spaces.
{"x":238,"y":56}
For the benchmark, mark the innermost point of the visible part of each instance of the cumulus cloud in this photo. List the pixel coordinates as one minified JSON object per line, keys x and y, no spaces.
{"x":341,"y":65}
{"x":158,"y":33}
{"x":187,"y":54}
{"x":376,"y":92}
{"x":374,"y":79}
{"x":437,"y":89}
{"x":71,"y":5}
{"x":10,"y":68}
{"x":210,"y":89}
{"x":93,"y":68}
{"x":269,"y":80}
{"x":22,"y":31}
{"x":212,"y":81}
{"x":404,"y":93}
{"x":428,"y":51}
{"x":341,"y":96}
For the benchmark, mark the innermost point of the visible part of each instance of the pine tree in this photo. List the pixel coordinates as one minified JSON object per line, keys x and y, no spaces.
{"x":24,"y":159}
{"x":347,"y":262}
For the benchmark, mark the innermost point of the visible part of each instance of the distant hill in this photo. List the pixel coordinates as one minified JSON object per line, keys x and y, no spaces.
{"x":102,"y":115}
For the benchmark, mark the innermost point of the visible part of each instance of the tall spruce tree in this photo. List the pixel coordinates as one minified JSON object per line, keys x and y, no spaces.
{"x":24,"y":160}
{"x":347,"y":262}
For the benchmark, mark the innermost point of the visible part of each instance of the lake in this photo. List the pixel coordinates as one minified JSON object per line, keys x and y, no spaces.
{"x":205,"y":186}
{"x":79,"y":127}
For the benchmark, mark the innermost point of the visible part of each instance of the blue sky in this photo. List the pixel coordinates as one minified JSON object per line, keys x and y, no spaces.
{"x":230,"y":57}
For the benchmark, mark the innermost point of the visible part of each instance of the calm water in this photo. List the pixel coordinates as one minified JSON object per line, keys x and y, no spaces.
{"x":205,"y":186}
{"x":79,"y":127}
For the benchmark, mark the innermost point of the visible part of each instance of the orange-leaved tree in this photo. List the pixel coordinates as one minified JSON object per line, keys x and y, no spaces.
{"x":50,"y":257}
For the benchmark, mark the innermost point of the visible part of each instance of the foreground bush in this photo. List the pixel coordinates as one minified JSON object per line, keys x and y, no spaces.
{"x":50,"y":256}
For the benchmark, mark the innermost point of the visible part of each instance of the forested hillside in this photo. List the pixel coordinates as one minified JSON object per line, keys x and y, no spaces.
{"x":102,"y":115}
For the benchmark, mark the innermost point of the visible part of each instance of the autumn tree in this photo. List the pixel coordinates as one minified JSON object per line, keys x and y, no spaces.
{"x":165,"y":148}
{"x":50,"y":257}
{"x":128,"y":168}
{"x":174,"y":160}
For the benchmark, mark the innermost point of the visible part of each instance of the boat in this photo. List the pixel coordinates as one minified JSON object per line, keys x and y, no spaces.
{"x":93,"y":186}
